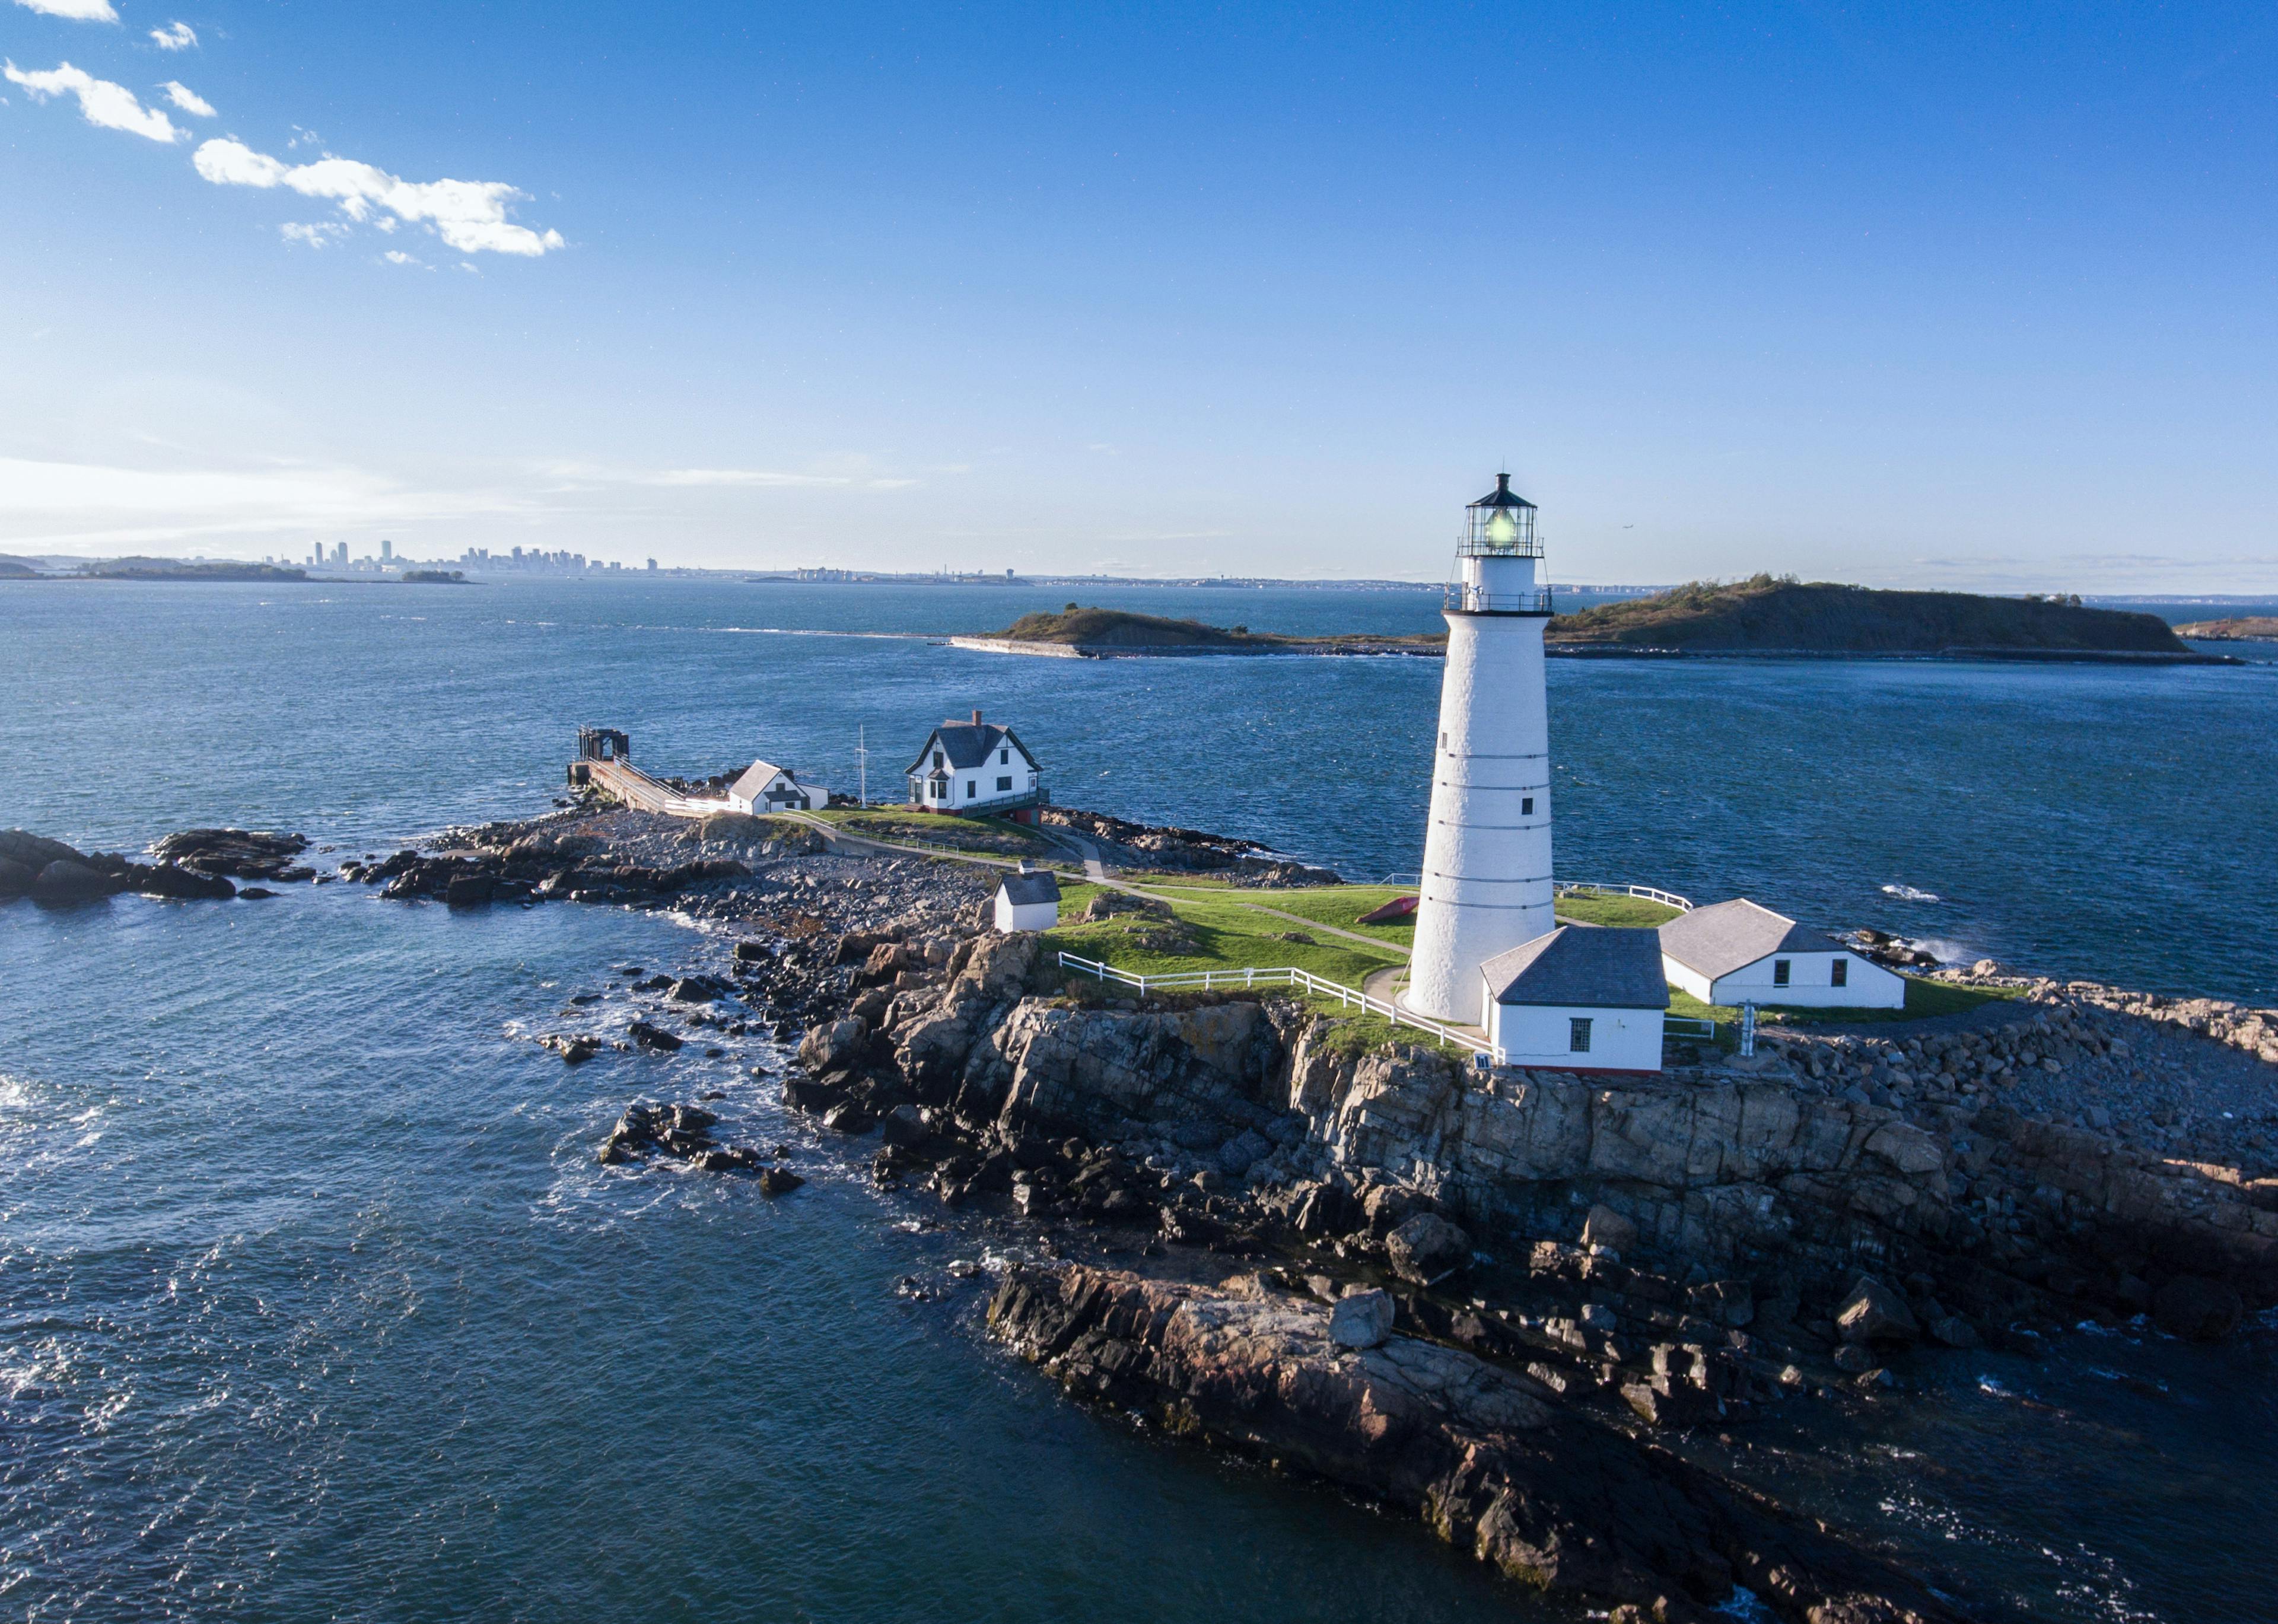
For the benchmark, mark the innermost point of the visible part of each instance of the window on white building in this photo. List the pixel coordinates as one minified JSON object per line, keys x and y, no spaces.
{"x":1841,"y":975}
{"x":1004,"y":784}
{"x":972,"y":788}
{"x":1779,"y":973}
{"x":1578,"y":1034}
{"x":1003,"y":758}
{"x":1526,"y":806}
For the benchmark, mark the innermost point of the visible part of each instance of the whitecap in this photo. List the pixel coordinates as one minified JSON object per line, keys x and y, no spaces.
{"x":1910,"y":894}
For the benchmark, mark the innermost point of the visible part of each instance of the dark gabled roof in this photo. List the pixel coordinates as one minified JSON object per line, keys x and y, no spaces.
{"x":1022,"y":890}
{"x":1587,"y":967}
{"x":1502,"y":495}
{"x":970,"y":743}
{"x":1723,"y":937}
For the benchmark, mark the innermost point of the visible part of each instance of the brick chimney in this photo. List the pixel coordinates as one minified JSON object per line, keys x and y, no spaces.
{"x":976,"y":717}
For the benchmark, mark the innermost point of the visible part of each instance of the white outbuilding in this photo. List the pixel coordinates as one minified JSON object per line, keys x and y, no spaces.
{"x":1029,"y":900}
{"x":1581,"y":998}
{"x":1738,"y":952}
{"x":765,"y":787}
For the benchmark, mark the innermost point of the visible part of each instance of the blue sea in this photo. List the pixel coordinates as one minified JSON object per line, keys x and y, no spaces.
{"x":314,"y":1303}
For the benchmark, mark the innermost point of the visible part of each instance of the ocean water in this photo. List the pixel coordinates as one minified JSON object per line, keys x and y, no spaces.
{"x":314,"y":1304}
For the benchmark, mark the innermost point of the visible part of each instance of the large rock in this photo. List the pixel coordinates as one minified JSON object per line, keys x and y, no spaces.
{"x":833,"y":1046}
{"x":1874,"y":1314}
{"x":1362,"y":1320}
{"x":2197,"y":1309}
{"x":165,"y":879}
{"x":248,"y":854}
{"x":1551,"y":1496}
{"x":37,"y":852}
{"x":16,"y":878}
{"x":65,"y":882}
{"x":1428,"y":1247}
{"x":1605,"y":1227}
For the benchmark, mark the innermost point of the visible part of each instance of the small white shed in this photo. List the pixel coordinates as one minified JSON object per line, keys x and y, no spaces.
{"x":765,"y":787}
{"x":1029,"y":900}
{"x":1738,"y":952}
{"x":1581,"y":998}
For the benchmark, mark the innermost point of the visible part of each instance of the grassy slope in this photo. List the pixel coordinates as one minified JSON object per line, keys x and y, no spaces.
{"x":1925,"y":1000}
{"x":1768,"y":614}
{"x":1599,"y":908}
{"x":992,"y":835}
{"x":2255,"y":628}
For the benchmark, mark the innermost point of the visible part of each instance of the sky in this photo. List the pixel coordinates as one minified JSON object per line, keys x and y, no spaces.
{"x":1929,"y":295}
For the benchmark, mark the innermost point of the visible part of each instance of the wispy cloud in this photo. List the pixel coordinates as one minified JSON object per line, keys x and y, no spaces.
{"x":397,"y":256}
{"x":113,"y":107}
{"x":188,"y":100}
{"x":749,"y":478}
{"x":313,"y":236}
{"x":78,"y":10}
{"x":469,"y":215}
{"x":174,"y":37}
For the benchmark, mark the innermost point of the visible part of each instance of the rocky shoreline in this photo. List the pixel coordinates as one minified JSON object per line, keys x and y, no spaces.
{"x":1478,"y":1296}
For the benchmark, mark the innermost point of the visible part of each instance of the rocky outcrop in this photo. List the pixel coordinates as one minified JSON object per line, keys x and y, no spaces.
{"x":242,"y":854}
{"x":49,"y":871}
{"x":1494,"y":1462}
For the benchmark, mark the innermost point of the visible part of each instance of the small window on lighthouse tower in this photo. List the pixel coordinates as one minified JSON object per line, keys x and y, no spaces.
{"x":1526,"y":806}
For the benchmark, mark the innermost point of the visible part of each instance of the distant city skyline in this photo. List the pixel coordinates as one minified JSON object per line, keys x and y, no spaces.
{"x":1910,"y":296}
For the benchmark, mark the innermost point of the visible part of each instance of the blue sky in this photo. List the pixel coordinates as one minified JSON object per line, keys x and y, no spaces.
{"x":1924,"y":294}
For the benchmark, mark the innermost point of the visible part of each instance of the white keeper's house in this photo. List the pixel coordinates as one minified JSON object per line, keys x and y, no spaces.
{"x":1029,"y":900}
{"x":764,"y":788}
{"x":1578,"y":998}
{"x":1737,"y":952}
{"x":977,"y":767}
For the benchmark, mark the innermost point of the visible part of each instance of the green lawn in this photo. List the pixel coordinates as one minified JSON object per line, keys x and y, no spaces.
{"x":990,"y":836}
{"x":1925,"y":999}
{"x":1612,"y":908}
{"x":1225,"y":935}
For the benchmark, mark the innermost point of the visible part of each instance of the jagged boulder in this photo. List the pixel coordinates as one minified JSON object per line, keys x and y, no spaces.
{"x":1428,"y":1247}
{"x":16,"y":878}
{"x":246,"y":854}
{"x":1874,"y":1314}
{"x":833,"y":1046}
{"x":37,"y":852}
{"x":1362,"y":1320}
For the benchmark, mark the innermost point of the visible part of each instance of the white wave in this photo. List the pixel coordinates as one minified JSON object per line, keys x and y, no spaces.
{"x":1911,"y":893}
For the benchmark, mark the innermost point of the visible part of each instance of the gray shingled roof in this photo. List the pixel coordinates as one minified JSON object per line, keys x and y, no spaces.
{"x":1586,"y":966}
{"x":1723,"y":937}
{"x":968,"y":743}
{"x":1040,"y":887}
{"x":757,"y":777}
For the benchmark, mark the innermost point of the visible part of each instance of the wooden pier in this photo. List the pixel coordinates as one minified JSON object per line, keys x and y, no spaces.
{"x":603,"y":763}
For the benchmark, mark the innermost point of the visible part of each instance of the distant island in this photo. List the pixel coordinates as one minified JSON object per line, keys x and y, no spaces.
{"x":2239,"y":629}
{"x":436,"y":577}
{"x":1767,"y":614}
{"x":1764,"y":614}
{"x":176,"y":569}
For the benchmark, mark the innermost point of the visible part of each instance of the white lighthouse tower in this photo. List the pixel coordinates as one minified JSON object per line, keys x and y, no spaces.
{"x":1487,"y":884}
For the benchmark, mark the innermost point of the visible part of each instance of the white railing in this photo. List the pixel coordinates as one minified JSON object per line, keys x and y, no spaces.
{"x":1465,"y":599}
{"x":1667,"y":899}
{"x":1688,"y":1026}
{"x":1227,"y":981}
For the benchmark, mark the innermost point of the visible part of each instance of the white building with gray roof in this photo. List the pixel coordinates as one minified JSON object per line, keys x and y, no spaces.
{"x":1740,"y":952}
{"x":1581,"y":998}
{"x":1028,"y":900}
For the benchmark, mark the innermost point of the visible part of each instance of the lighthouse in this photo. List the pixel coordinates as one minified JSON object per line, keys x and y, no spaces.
{"x":1486,"y":885}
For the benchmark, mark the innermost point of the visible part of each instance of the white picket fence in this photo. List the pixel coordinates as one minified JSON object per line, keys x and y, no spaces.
{"x":1651,"y":894}
{"x":1249,"y":978}
{"x":1283,"y":975}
